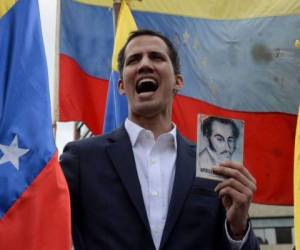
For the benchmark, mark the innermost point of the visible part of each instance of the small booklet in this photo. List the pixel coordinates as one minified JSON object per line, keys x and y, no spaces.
{"x":219,"y":139}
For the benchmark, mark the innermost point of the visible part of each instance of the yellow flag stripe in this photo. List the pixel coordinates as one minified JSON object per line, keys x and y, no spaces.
{"x":297,"y":185}
{"x":219,"y":9}
{"x":125,"y":25}
{"x":5,"y":5}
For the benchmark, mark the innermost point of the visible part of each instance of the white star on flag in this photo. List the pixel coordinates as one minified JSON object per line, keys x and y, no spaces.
{"x":12,"y":153}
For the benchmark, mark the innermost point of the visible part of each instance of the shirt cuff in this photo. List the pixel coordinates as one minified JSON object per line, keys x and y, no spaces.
{"x":237,"y":244}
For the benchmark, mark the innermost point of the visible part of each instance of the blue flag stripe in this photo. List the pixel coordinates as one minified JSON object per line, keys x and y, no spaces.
{"x":116,"y":105}
{"x":24,"y":100}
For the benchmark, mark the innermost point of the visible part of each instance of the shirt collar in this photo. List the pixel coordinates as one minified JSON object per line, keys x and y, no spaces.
{"x":134,"y":131}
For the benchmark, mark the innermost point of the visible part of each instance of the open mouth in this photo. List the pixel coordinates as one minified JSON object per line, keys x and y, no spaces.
{"x":146,"y":85}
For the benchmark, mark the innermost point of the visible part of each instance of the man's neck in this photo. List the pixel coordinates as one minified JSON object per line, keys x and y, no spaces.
{"x":158,"y":125}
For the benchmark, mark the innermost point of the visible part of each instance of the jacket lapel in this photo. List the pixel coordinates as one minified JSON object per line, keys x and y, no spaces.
{"x":184,"y":177}
{"x":121,"y":154}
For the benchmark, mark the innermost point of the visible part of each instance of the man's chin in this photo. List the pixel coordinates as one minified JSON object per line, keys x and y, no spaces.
{"x":146,"y":109}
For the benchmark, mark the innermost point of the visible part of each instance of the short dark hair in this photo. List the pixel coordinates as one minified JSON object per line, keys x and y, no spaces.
{"x":207,"y":126}
{"x":173,"y":54}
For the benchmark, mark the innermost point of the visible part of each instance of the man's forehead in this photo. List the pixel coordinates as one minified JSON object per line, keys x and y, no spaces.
{"x":146,"y":43}
{"x":222,"y":128}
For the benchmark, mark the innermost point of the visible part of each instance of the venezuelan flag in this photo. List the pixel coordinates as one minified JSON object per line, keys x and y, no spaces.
{"x":34,"y":199}
{"x":238,"y":58}
{"x":116,"y":104}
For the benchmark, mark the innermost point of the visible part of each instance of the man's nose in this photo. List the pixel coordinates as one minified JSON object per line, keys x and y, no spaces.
{"x":228,"y":146}
{"x":145,"y":65}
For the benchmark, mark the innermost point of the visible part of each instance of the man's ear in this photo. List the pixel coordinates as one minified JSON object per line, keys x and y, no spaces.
{"x":121,"y":87}
{"x":179,"y":83}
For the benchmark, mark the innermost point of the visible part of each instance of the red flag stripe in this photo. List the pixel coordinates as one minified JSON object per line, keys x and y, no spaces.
{"x":81,"y":96}
{"x":269,"y":140}
{"x":40,"y":207}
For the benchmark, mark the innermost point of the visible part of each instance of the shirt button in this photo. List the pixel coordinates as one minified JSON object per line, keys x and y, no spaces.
{"x":156,"y":229}
{"x":152,"y":162}
{"x":154,"y":193}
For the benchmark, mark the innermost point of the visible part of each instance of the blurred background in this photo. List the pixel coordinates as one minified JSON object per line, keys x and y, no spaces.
{"x":48,"y":11}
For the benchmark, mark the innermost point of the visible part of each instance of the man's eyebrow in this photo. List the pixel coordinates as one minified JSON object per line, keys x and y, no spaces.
{"x":134,"y":55}
{"x":157,"y":53}
{"x":219,"y":135}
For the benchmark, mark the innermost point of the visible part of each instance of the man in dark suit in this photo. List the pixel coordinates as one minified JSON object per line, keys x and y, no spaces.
{"x":135,"y":189}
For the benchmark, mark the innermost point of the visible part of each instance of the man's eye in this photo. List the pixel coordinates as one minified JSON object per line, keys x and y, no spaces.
{"x":219,"y":138}
{"x":230,"y":140}
{"x":130,"y":61}
{"x":157,"y":57}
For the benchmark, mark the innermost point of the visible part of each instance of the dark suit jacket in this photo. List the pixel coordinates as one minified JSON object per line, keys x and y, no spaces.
{"x":108,"y":211}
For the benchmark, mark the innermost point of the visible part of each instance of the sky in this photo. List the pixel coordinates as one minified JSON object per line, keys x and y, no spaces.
{"x":48,"y":12}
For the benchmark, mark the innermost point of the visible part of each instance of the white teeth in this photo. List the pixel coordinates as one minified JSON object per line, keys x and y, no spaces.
{"x":147,"y":80}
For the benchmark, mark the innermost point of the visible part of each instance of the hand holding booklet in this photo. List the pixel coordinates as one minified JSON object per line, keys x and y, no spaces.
{"x":219,"y":139}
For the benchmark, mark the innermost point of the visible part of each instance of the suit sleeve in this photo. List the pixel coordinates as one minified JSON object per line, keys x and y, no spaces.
{"x":249,"y":240}
{"x":70,"y":163}
{"x":252,"y":242}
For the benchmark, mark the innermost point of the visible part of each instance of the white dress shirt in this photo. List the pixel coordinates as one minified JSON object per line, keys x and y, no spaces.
{"x":155,"y":164}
